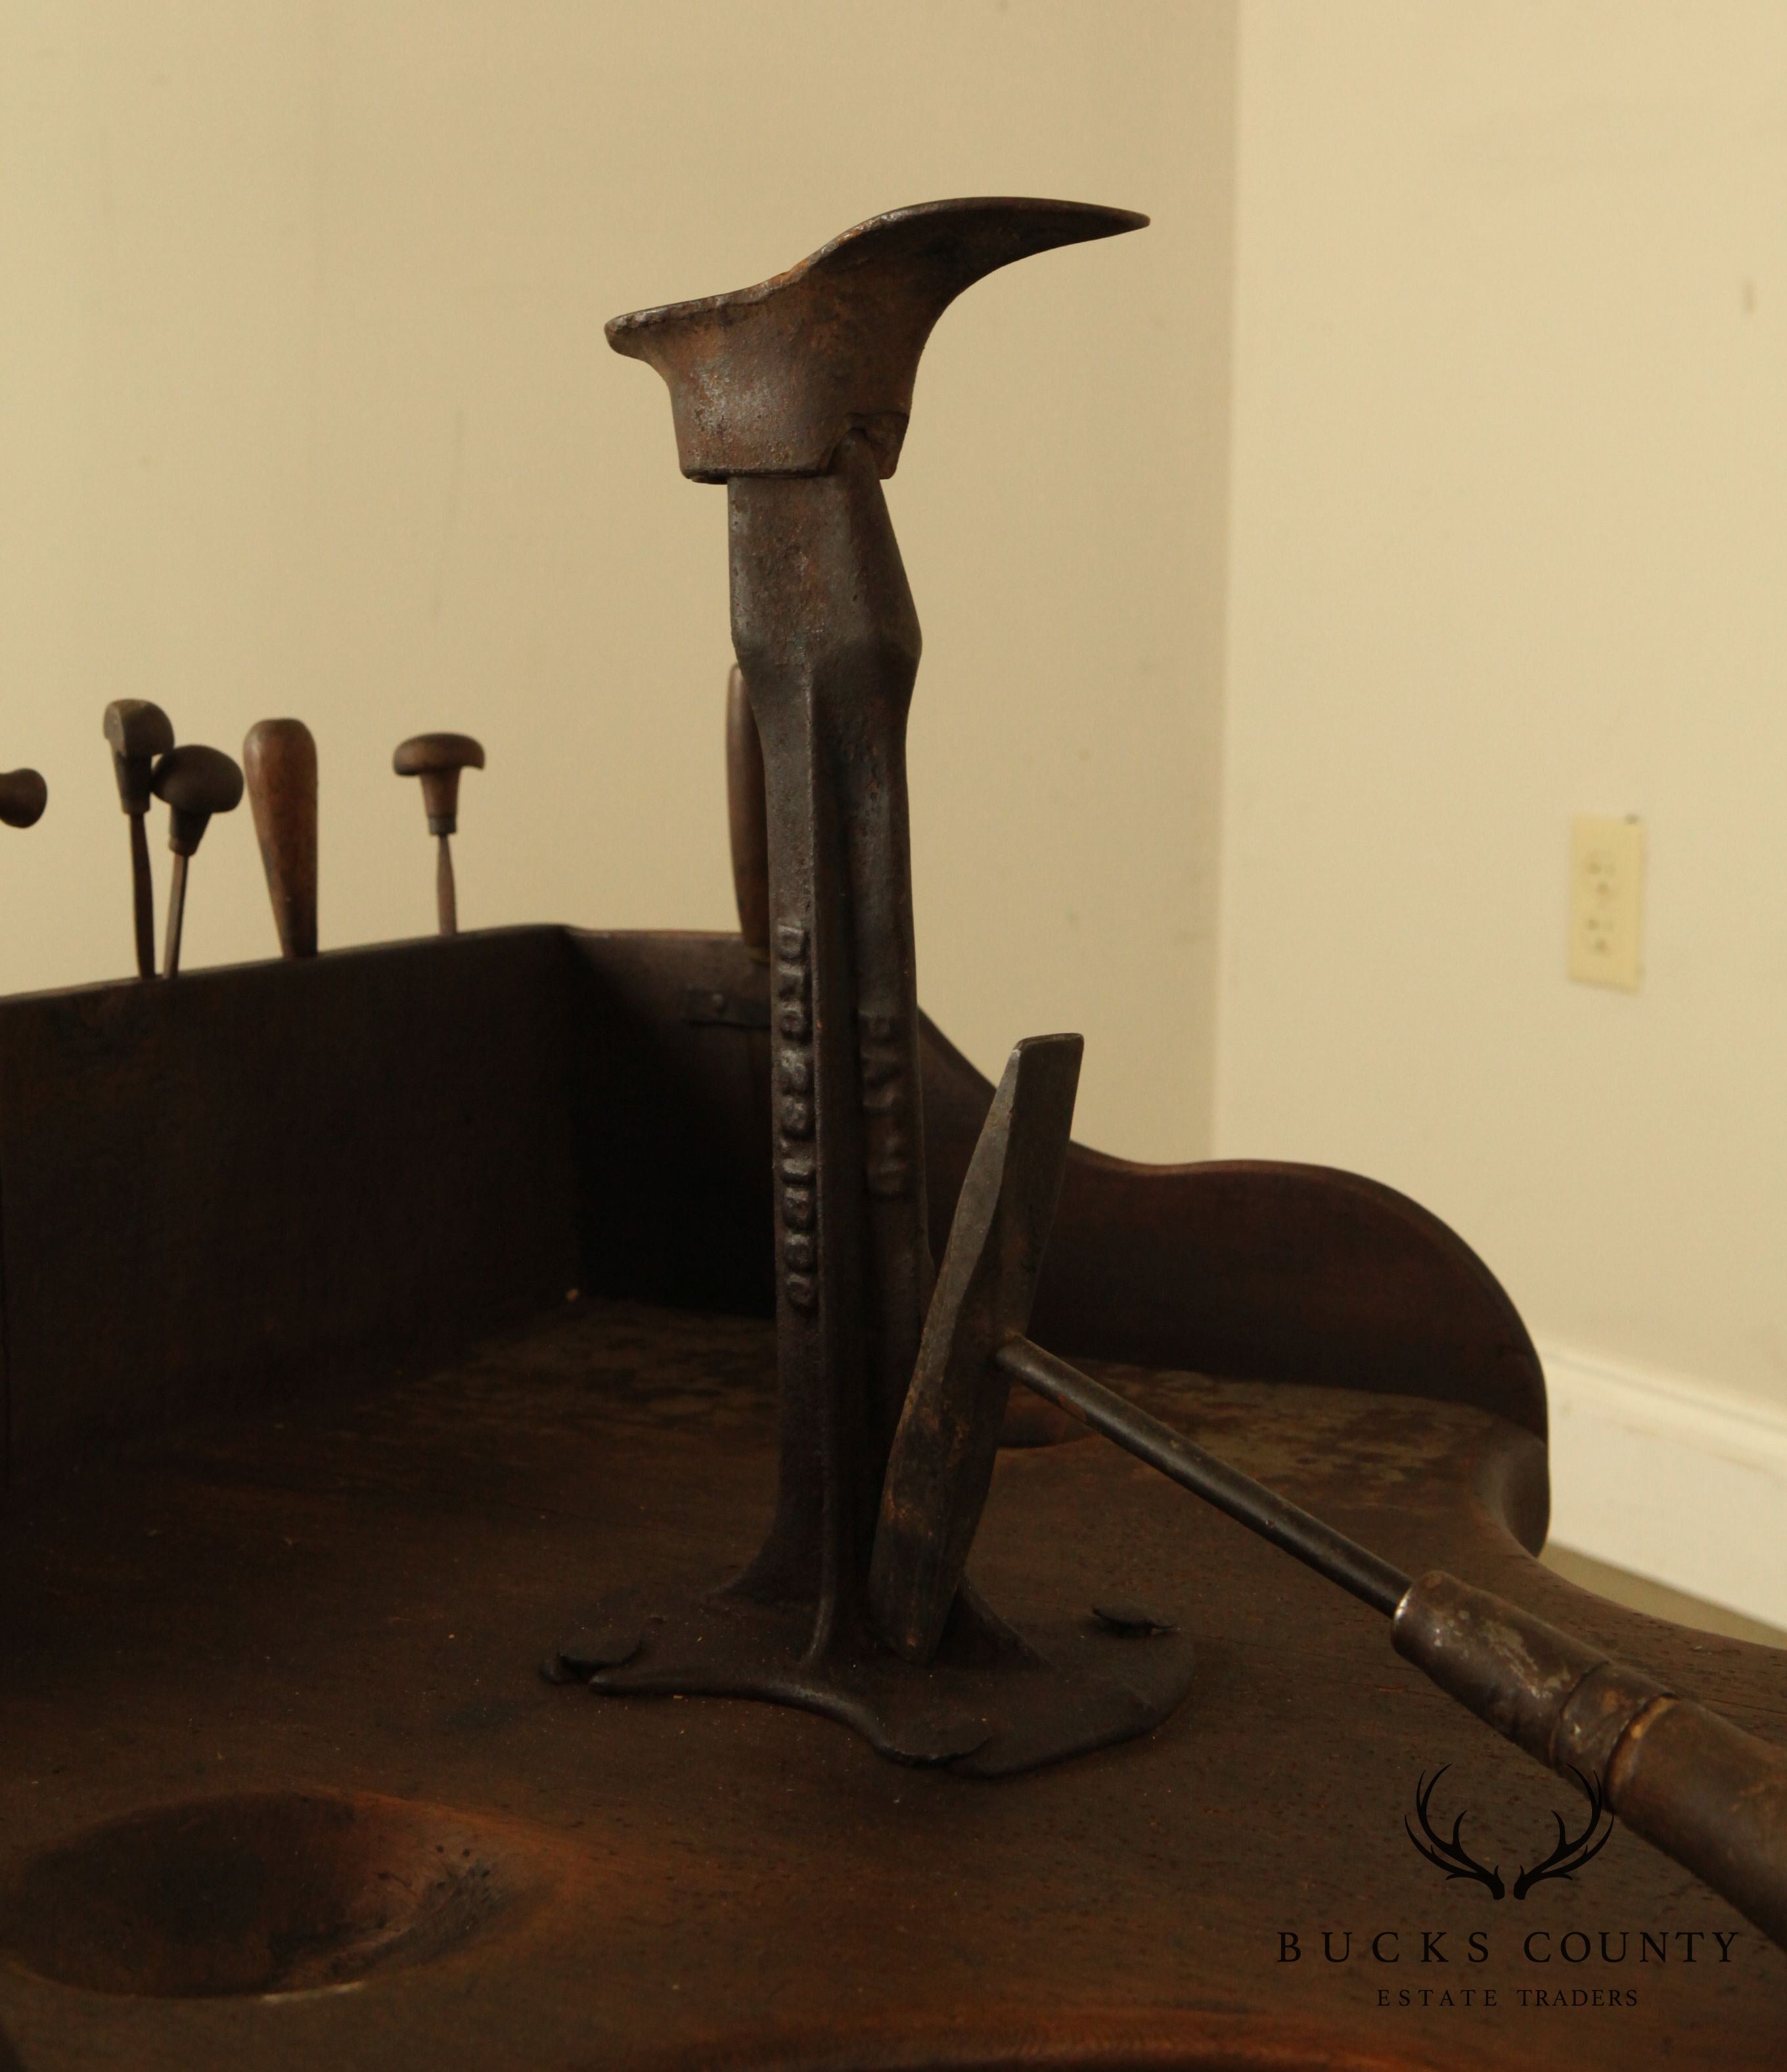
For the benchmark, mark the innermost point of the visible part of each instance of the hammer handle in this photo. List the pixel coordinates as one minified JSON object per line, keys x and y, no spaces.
{"x":1374,"y":1581}
{"x":446,"y":896}
{"x":1710,"y":1796}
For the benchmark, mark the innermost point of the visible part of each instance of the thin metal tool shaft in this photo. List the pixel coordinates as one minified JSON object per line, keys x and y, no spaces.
{"x":176,"y":915}
{"x":142,"y":890}
{"x":446,"y":897}
{"x":1329,"y":1552}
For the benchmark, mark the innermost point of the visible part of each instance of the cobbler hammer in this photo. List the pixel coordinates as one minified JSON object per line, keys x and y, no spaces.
{"x":941,"y":1462}
{"x":1707,"y":1794}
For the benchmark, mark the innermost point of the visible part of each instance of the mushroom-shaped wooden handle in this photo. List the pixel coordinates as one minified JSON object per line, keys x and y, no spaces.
{"x":23,"y":795}
{"x":438,"y":759}
{"x":194,"y":784}
{"x":279,"y":762}
{"x":138,"y":732}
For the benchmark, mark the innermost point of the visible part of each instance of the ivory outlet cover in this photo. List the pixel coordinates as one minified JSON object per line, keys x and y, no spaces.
{"x":1607,"y":886}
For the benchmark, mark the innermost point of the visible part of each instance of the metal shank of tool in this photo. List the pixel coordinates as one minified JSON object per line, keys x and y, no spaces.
{"x":1710,"y":1796}
{"x":137,"y":733}
{"x":772,"y":380}
{"x":796,"y":394}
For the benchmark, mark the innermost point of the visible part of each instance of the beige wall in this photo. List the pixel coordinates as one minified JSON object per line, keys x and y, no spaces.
{"x":306,"y":409}
{"x":1509,"y":542}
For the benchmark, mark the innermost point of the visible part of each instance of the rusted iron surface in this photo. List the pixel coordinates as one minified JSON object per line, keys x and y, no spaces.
{"x":1517,"y":1674}
{"x":941,"y":1464}
{"x":1724,"y":1818}
{"x":1365,"y":1576}
{"x":343,"y":1600}
{"x":772,"y":380}
{"x":795,"y":395}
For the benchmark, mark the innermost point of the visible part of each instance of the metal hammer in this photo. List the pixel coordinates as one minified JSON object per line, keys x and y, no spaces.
{"x":1710,"y":1796}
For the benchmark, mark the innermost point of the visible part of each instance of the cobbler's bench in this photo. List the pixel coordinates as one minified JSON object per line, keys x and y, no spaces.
{"x":314,"y":1449}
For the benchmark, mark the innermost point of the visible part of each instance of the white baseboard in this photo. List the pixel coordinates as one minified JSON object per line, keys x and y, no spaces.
{"x":1671,"y":1479}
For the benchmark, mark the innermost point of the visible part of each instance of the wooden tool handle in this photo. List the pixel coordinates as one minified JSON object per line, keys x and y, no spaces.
{"x":137,"y":732}
{"x":437,"y":759}
{"x":279,"y":762}
{"x":195,"y":784}
{"x":747,"y":819}
{"x":23,"y":795}
{"x":1707,"y":1794}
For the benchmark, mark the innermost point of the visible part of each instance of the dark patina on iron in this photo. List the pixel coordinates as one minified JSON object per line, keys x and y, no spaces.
{"x":796,"y":394}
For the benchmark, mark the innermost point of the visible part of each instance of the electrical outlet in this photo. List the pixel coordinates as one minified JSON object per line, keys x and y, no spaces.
{"x":1607,"y":887}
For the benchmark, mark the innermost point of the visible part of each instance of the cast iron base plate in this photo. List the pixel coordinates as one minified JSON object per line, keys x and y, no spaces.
{"x":990,"y":1703}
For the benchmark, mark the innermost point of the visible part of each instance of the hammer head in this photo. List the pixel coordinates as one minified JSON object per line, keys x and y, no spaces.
{"x":138,"y":732}
{"x":771,"y":379}
{"x":438,"y":759}
{"x":941,"y":1465}
{"x":194,"y":784}
{"x":23,"y":795}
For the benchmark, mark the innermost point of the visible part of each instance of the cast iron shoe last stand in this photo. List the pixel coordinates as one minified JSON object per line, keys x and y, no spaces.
{"x":796,"y":395}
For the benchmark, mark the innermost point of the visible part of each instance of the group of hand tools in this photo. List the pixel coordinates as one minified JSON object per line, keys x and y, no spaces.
{"x":279,"y":771}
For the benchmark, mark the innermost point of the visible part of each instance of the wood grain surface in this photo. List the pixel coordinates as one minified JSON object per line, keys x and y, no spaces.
{"x":354,"y":1597}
